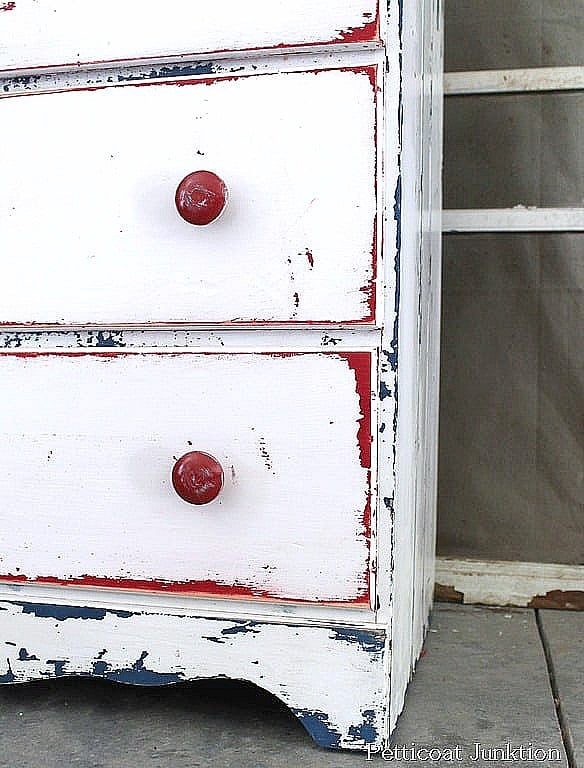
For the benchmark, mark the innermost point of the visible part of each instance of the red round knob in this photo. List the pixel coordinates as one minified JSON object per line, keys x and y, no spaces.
{"x":201,"y":197}
{"x":197,"y":477}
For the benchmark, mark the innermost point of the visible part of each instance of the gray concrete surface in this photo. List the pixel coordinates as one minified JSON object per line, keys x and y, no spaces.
{"x":483,"y":678}
{"x":564,"y":633}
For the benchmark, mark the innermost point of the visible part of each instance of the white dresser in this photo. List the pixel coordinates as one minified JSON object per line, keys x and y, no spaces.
{"x":219,"y":306}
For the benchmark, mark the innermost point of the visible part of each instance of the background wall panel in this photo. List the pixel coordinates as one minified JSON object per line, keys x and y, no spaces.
{"x":511,"y":481}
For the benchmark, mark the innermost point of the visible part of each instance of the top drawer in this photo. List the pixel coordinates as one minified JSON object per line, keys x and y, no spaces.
{"x":65,"y":32}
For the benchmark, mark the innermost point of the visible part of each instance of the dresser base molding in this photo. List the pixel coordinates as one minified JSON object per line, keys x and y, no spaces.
{"x":331,"y":676}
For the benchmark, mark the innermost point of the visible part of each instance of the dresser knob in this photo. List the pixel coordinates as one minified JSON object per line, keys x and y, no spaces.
{"x":201,"y":197}
{"x":197,"y":477}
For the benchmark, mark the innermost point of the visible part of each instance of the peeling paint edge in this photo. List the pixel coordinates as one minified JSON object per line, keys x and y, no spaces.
{"x":506,"y":583}
{"x":360,"y":38}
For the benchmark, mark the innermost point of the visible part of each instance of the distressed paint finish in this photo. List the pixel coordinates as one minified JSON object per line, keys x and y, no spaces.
{"x":87,"y":496}
{"x":146,"y":647}
{"x":301,"y":179}
{"x":309,"y":309}
{"x":499,"y":582}
{"x":413,"y":353}
{"x":217,"y":340}
{"x":203,"y":68}
{"x":55,"y":32}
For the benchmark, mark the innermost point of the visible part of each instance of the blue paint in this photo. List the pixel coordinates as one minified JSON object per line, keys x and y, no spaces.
{"x":366,"y":732}
{"x":206,"y":68}
{"x":23,"y":81}
{"x":397,"y":207}
{"x":392,"y":357}
{"x":384,"y":390}
{"x":12,"y":342}
{"x":137,"y":674}
{"x":100,"y":668}
{"x":382,"y":427}
{"x":326,"y":339}
{"x":9,"y":676}
{"x":23,"y":655}
{"x":241,"y":627}
{"x":401,"y":21}
{"x":64,"y":612}
{"x":388,"y":502}
{"x":113,"y":340}
{"x":318,"y":726}
{"x":397,"y":211}
{"x":371,"y":641}
{"x":213,"y":639}
{"x":59,"y":665}
{"x":89,"y":339}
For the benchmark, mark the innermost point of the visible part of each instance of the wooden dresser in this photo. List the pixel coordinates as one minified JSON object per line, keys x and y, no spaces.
{"x":220,"y":251}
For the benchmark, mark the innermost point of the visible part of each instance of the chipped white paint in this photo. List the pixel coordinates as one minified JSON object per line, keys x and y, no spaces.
{"x":85,"y":488}
{"x":184,"y":604}
{"x":151,"y":648}
{"x":500,"y":582}
{"x":296,"y":151}
{"x":201,"y":68}
{"x":412,"y":499}
{"x":311,"y":160}
{"x":64,"y":32}
{"x":223,"y":339}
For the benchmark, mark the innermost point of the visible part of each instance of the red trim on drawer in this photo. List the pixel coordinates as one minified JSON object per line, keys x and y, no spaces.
{"x":368,"y":33}
{"x":360,"y":362}
{"x":205,"y":588}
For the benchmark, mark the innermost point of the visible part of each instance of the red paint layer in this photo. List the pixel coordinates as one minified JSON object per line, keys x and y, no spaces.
{"x":360,"y":362}
{"x":368,"y":33}
{"x":7,"y":6}
{"x":370,"y":288}
{"x":205,"y":588}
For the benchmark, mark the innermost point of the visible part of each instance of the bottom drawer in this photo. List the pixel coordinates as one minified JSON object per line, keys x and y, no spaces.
{"x":88,"y":442}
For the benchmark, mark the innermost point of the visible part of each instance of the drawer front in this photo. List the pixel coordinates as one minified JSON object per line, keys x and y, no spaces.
{"x":65,"y":32}
{"x":89,"y":443}
{"x":91,"y":233}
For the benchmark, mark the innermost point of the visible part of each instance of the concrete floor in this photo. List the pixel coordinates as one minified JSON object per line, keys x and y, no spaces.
{"x":486,"y":676}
